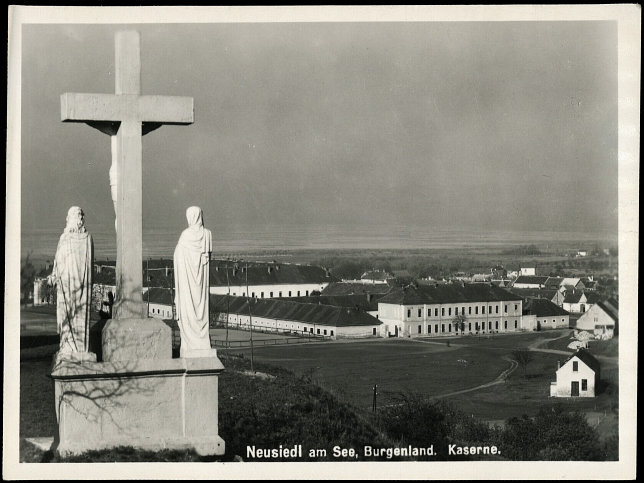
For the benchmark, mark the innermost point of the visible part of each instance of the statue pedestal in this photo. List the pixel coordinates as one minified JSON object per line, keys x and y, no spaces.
{"x":147,"y":401}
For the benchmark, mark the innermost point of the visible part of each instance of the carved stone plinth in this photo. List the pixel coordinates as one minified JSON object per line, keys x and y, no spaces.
{"x":148,"y":404}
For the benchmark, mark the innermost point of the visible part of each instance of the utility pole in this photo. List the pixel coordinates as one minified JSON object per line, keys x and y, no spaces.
{"x":227,"y":303}
{"x":147,"y":277}
{"x":250,"y":318}
{"x":375,"y":394}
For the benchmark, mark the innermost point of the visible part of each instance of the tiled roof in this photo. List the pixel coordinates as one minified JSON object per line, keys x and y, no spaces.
{"x":259,"y":273}
{"x":542,"y":308}
{"x":266,"y":274}
{"x":554,"y":282}
{"x":360,"y":301}
{"x":295,"y":311}
{"x":573,"y":297}
{"x":157,"y":295}
{"x":447,"y":293}
{"x":376,"y":275}
{"x":348,"y":288}
{"x":536,"y":293}
{"x":587,"y":358}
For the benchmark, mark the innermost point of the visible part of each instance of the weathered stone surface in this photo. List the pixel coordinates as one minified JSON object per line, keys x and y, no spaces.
{"x":199,"y":353}
{"x":74,"y":357}
{"x":147,"y":404}
{"x":130,"y":339}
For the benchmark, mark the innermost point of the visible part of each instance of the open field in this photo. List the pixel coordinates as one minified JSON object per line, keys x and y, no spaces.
{"x":396,"y":365}
{"x":431,"y":368}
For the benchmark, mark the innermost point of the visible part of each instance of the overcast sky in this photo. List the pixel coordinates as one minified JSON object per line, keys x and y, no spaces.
{"x":493,"y":126}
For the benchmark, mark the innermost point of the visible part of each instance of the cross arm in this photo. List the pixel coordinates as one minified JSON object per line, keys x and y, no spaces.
{"x":76,"y":107}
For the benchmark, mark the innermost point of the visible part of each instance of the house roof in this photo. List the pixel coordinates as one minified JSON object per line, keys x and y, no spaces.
{"x":536,"y":293}
{"x":542,"y":308}
{"x":447,"y":293}
{"x":573,"y":297}
{"x":531,"y":279}
{"x":376,"y":275}
{"x":158,"y":295}
{"x":586,"y":357}
{"x":355,"y":288}
{"x":224,"y":272}
{"x":554,"y":282}
{"x":574,"y":281}
{"x":295,"y":311}
{"x":592,"y":297}
{"x":259,"y":273}
{"x":361,"y":301}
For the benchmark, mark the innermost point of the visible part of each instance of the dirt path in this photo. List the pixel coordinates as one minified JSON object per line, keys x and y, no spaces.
{"x":539,"y":342}
{"x":500,"y":379}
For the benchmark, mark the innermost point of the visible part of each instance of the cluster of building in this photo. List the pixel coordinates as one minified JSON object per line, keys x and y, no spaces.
{"x":307,"y":299}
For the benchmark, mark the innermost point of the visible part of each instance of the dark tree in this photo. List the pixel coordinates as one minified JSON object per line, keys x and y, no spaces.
{"x":523,"y":358}
{"x":459,"y":322}
{"x":27,"y":277}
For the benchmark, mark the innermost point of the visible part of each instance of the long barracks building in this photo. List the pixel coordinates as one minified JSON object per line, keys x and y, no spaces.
{"x":432,"y":310}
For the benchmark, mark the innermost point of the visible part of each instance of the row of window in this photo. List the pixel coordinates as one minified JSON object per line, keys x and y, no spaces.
{"x":476,"y":326}
{"x":261,"y":296}
{"x":318,"y":331}
{"x":469,"y":312}
{"x":554,"y":321}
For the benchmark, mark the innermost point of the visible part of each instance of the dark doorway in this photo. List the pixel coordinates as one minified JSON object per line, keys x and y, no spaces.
{"x":574,"y":389}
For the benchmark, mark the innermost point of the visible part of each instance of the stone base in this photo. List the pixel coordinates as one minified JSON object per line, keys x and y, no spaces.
{"x":132,"y":339}
{"x":198,"y":353}
{"x":146,"y":403}
{"x":207,"y":446}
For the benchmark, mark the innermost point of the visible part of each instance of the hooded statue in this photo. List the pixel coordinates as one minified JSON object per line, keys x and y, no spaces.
{"x":72,"y":274}
{"x":192,"y":283}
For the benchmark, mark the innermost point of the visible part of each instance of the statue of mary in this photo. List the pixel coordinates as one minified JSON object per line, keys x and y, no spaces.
{"x":192,"y":284}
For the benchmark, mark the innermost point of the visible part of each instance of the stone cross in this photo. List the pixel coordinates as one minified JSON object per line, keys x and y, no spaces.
{"x":127,"y":116}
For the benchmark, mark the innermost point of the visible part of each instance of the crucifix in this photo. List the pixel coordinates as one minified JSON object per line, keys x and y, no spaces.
{"x":126,"y":116}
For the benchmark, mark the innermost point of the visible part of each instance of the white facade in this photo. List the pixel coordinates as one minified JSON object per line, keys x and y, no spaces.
{"x":160,"y":311}
{"x":597,"y":321}
{"x":528,"y":271}
{"x":532,"y":322}
{"x":578,"y":307}
{"x":438,"y":319}
{"x":40,"y":291}
{"x":574,"y":379}
{"x":301,"y":328}
{"x":270,"y":291}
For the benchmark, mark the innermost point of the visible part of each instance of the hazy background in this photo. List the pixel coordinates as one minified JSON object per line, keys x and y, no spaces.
{"x":491,"y":126}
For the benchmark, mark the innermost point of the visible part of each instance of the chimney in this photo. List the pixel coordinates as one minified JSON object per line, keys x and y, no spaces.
{"x":368,"y":297}
{"x":558,"y":364}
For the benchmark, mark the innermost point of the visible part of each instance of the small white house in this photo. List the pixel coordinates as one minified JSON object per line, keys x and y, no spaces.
{"x":578,"y":376}
{"x":601,"y":319}
{"x":529,"y":271}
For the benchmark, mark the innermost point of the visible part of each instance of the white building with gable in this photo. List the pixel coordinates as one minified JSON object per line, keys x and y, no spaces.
{"x":578,"y":376}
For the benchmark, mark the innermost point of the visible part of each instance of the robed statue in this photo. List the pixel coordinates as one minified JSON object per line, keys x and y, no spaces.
{"x":192,"y":284}
{"x":72,"y":275}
